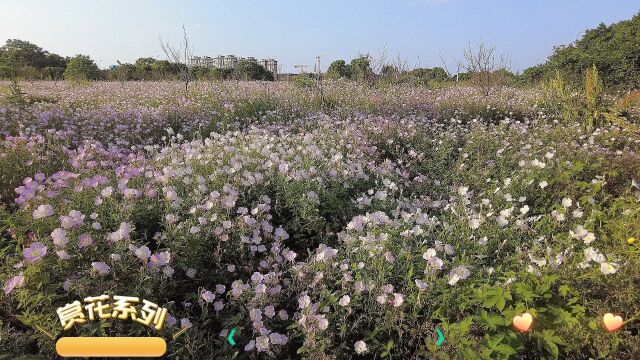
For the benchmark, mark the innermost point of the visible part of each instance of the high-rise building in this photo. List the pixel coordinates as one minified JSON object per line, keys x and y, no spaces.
{"x":230,"y":62}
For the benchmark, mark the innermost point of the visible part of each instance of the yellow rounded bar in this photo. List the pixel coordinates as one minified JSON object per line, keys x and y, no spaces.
{"x":111,"y":346}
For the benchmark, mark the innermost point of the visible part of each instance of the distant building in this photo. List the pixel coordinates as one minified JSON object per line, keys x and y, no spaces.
{"x":270,"y":65}
{"x":230,"y":62}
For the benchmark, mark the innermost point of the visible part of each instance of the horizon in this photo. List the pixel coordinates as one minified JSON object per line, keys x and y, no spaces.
{"x":426,"y":33}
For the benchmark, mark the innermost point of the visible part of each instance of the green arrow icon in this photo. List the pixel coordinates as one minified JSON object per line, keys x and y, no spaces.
{"x":230,"y":337}
{"x":440,"y":337}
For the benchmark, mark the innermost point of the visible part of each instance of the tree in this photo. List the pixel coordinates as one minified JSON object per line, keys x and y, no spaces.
{"x":339,"y":70}
{"x":389,"y":71}
{"x":52,"y":73}
{"x":161,"y":69}
{"x":486,"y":68}
{"x":181,"y":56}
{"x":614,"y":50}
{"x":81,"y":68}
{"x":361,"y":68}
{"x":249,"y":70}
{"x":220,"y":74}
{"x":24,"y":53}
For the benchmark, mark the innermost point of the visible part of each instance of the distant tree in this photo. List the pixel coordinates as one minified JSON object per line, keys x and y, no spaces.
{"x":200,"y":72}
{"x":220,"y":74}
{"x":162,"y":69}
{"x":339,"y":70}
{"x":439,"y":74}
{"x":55,"y":61}
{"x":181,"y":57}
{"x":145,"y":64}
{"x":533,"y":75}
{"x":361,"y":68}
{"x":80,"y":68}
{"x":389,"y":71}
{"x":614,"y":50}
{"x":24,"y":53}
{"x":486,"y":67}
{"x":124,"y":72}
{"x":52,"y":73}
{"x":248,"y":70}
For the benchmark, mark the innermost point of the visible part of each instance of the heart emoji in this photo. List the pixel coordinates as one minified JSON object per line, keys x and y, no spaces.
{"x":523,"y":323}
{"x":611,"y":322}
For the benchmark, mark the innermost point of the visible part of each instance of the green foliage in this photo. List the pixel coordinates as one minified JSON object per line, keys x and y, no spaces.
{"x":613,"y":49}
{"x":220,"y":74}
{"x":81,"y":68}
{"x":361,"y":68}
{"x":559,"y":100}
{"x":249,"y":70}
{"x":304,"y":80}
{"x":339,"y":70}
{"x":27,"y":60}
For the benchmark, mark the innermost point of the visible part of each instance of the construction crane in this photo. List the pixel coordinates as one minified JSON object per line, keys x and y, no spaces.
{"x":301,"y":67}
{"x":317,"y":66}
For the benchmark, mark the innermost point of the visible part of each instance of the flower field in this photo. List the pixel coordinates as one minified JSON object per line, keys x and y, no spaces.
{"x":349,"y":226}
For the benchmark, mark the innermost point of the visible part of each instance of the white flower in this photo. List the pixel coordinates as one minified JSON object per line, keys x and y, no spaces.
{"x":435,"y":263}
{"x":463,"y":190}
{"x":474,"y":223}
{"x":207,"y":296}
{"x":304,"y":301}
{"x":558,"y":216}
{"x":398,"y":299}
{"x":59,"y":237}
{"x":543,"y":184}
{"x":360,"y":347}
{"x":566,"y":202}
{"x":421,"y":284}
{"x":608,"y":268}
{"x":345,"y":300}
{"x":430,"y":253}
{"x":459,"y":273}
{"x":502,"y":221}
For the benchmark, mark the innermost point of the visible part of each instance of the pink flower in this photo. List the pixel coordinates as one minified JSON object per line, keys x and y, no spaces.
{"x":42,"y":211}
{"x":161,"y":259}
{"x":35,"y":252}
{"x":84,"y":240}
{"x":12,"y":283}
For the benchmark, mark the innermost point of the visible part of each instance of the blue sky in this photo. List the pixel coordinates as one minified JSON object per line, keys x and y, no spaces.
{"x":294,"y":32}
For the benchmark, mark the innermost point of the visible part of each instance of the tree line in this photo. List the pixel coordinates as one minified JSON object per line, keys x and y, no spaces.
{"x":24,"y":60}
{"x":613,"y":50}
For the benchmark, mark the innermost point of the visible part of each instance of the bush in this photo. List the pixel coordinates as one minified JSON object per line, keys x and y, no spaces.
{"x":81,"y":68}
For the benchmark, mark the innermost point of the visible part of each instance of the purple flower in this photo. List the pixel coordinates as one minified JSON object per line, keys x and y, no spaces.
{"x":101,"y":268}
{"x":35,"y":252}
{"x":12,"y":283}
{"x":185,"y":323}
{"x":143,"y":253}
